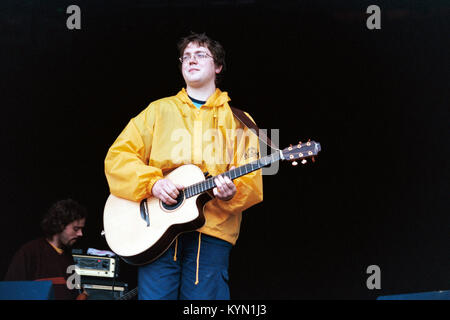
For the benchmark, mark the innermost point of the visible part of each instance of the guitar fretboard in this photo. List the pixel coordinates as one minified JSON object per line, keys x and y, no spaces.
{"x":129,"y":295}
{"x":209,"y":183}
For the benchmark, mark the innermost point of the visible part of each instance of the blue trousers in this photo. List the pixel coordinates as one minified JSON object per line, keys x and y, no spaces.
{"x":178,"y":275}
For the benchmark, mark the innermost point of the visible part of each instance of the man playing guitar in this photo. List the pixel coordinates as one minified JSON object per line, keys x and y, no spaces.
{"x":196,"y":126}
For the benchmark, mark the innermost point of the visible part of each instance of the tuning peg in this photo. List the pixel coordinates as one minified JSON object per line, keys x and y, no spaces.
{"x":304,"y":161}
{"x":294,"y":163}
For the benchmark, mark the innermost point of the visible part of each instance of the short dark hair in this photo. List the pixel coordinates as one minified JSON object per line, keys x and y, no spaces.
{"x":60,"y":214}
{"x":201,"y":39}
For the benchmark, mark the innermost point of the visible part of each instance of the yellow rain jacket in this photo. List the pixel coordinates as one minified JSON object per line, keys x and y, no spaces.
{"x":171,"y":132}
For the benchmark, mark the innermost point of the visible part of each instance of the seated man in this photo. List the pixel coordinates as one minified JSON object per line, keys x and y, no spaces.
{"x":48,"y":258}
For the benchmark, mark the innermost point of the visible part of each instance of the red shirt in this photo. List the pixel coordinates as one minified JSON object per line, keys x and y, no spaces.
{"x":37,"y":260}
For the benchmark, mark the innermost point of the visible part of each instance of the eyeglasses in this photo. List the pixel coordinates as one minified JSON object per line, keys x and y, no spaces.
{"x":198,"y":56}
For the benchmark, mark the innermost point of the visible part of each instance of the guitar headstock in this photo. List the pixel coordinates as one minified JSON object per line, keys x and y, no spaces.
{"x":301,"y":151}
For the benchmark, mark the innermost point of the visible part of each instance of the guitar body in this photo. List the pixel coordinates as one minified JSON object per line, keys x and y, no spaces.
{"x":140,"y":232}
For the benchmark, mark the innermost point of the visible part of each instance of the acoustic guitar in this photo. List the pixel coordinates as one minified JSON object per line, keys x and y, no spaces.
{"x":139,"y":232}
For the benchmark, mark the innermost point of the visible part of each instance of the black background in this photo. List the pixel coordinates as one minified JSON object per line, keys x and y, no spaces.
{"x":376,"y":100}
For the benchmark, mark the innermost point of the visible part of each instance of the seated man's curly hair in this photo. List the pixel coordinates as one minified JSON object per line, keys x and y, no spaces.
{"x":60,"y":214}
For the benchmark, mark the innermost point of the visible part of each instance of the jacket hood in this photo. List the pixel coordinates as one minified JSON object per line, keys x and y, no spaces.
{"x":217,"y":99}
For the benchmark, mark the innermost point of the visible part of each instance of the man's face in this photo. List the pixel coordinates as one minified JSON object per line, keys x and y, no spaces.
{"x":72,"y":232}
{"x":198,"y":72}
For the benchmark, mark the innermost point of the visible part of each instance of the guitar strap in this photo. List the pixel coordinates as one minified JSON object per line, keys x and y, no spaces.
{"x":246,"y":121}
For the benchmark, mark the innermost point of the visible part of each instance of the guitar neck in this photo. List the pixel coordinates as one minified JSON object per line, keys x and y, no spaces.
{"x":235,"y":173}
{"x":129,"y":295}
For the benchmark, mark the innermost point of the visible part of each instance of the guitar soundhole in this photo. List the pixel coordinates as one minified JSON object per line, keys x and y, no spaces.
{"x":170,"y":207}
